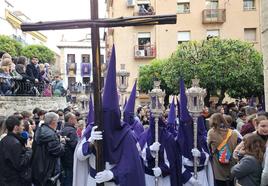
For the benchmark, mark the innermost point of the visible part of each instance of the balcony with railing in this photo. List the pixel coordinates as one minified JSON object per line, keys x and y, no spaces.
{"x":210,"y":16}
{"x":145,"y":9}
{"x":144,"y":51}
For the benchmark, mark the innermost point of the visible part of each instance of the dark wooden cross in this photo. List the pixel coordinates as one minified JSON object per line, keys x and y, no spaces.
{"x":95,"y":23}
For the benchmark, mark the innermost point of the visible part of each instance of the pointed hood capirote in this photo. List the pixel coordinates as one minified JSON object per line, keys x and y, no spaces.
{"x":172,"y":113}
{"x":90,"y":118}
{"x":125,"y":103}
{"x":130,"y":106}
{"x":171,"y":121}
{"x":184,"y":113}
{"x":114,"y":131}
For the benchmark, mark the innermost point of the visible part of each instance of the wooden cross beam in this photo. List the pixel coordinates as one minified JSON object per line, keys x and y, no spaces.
{"x":89,"y":23}
{"x":94,"y":23}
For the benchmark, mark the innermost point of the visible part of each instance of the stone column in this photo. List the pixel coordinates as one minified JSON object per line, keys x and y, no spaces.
{"x":264,"y":31}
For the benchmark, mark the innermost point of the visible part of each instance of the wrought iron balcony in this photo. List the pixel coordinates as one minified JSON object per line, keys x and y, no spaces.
{"x":144,"y":51}
{"x":213,"y":16}
{"x":144,"y":13}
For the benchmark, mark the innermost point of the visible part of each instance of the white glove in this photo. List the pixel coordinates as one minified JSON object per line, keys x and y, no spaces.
{"x":157,"y":171}
{"x":155,"y":146}
{"x":194,"y":182}
{"x":196,"y":152}
{"x":104,"y":176}
{"x":95,"y":135}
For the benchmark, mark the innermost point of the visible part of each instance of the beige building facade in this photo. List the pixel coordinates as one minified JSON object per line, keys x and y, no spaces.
{"x":265,"y":47}
{"x":196,"y":20}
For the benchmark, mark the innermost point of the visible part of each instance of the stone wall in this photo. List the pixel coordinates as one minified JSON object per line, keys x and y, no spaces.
{"x":264,"y":30}
{"x":11,"y":104}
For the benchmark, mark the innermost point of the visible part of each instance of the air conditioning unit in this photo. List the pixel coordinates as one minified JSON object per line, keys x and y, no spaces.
{"x":130,"y":3}
{"x":139,"y":53}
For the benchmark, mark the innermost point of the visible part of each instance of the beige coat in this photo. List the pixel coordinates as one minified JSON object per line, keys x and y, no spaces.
{"x":215,"y":137}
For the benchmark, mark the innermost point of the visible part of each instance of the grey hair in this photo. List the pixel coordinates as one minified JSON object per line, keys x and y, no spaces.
{"x":51,"y":116}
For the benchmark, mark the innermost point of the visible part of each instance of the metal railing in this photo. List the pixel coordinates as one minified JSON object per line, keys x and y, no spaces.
{"x":145,"y":51}
{"x":214,"y":16}
{"x":27,"y":88}
{"x":144,"y":13}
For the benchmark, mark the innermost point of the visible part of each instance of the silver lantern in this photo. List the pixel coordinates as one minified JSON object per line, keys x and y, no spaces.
{"x":156,"y":106}
{"x":195,"y":96}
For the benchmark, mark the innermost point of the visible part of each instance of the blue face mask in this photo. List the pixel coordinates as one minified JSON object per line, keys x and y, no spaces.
{"x":24,"y":135}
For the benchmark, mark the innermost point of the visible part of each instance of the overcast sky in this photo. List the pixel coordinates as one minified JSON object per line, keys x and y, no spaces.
{"x":51,"y":10}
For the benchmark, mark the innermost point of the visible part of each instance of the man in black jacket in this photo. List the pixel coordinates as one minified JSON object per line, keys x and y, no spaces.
{"x":14,"y":155}
{"x":47,"y":149}
{"x":33,"y":70}
{"x":69,"y":132}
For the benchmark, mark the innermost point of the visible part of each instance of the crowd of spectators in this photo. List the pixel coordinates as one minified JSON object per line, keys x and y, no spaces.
{"x":48,"y":139}
{"x":39,"y":139}
{"x":20,"y":77}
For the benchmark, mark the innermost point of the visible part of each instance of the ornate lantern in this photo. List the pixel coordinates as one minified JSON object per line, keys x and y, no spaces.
{"x":122,"y":75}
{"x":156,"y":106}
{"x":157,"y":97}
{"x":195,"y":97}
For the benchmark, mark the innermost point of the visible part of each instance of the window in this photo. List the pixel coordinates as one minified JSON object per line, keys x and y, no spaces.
{"x":250,"y":34}
{"x":86,"y":80}
{"x":213,"y":33}
{"x":85,"y":58}
{"x":183,"y":36}
{"x":145,"y":9}
{"x":183,"y":6}
{"x":144,"y":38}
{"x":71,"y":83}
{"x":70,"y":58}
{"x":249,"y":5}
{"x":212,"y":4}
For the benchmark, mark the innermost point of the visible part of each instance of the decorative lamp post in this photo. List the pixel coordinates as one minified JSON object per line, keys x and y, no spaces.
{"x":157,"y":97}
{"x":122,"y":75}
{"x":195,"y":97}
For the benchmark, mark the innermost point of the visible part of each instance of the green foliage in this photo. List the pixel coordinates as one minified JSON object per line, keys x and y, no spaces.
{"x":223,"y":66}
{"x":10,"y":45}
{"x":44,"y":54}
{"x":149,"y":73}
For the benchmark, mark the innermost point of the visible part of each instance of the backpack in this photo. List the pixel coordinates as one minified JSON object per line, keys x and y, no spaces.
{"x":224,"y":153}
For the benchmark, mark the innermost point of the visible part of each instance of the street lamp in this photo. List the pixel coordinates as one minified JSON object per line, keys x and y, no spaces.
{"x":122,"y":75}
{"x":195,"y":96}
{"x":156,"y":106}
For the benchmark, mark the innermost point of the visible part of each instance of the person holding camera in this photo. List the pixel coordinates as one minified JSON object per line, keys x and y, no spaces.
{"x":15,"y":155}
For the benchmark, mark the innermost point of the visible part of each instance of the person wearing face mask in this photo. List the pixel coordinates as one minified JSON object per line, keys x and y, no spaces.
{"x":15,"y":155}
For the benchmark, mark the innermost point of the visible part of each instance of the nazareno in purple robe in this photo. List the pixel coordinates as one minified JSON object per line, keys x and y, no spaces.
{"x":119,"y":143}
{"x":168,"y":144}
{"x":171,"y":121}
{"x":185,"y":137}
{"x":129,"y":114}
